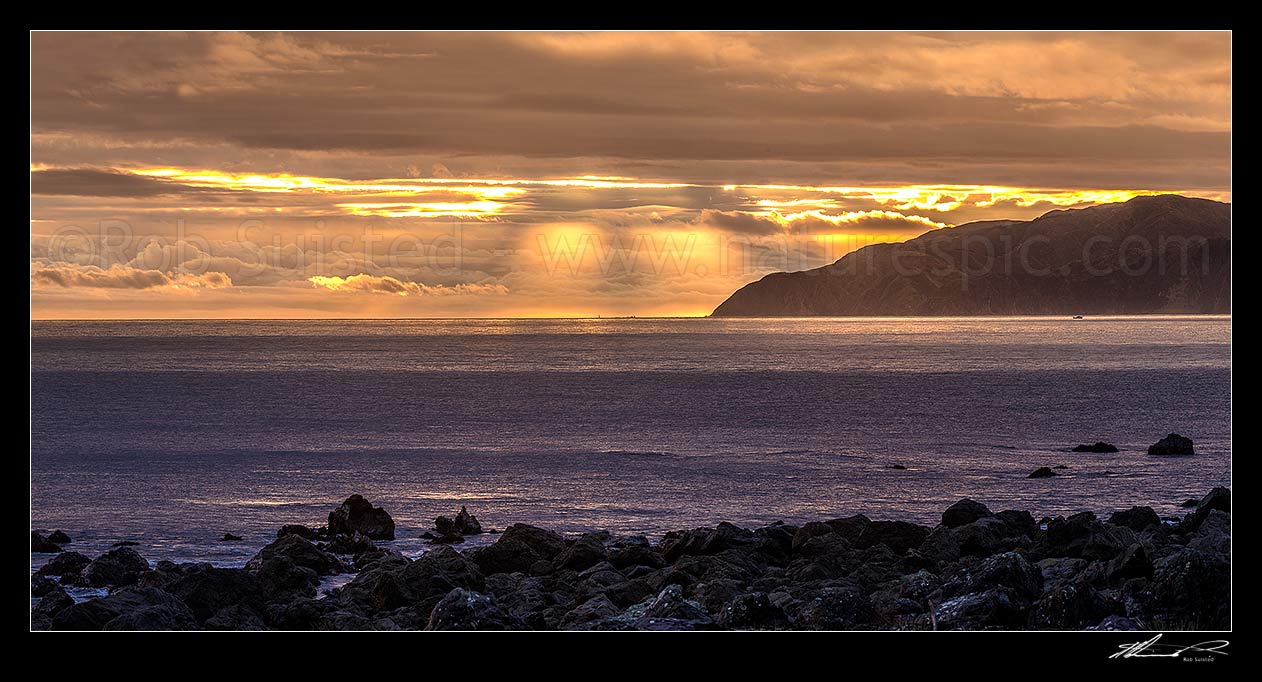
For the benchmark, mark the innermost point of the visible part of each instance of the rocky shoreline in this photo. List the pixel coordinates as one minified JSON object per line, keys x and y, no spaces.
{"x":975,"y":570}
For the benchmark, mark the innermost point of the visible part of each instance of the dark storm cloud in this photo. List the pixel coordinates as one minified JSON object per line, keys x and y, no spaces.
{"x":88,"y":182}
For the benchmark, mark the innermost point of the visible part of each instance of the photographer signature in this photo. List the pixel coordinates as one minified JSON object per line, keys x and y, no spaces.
{"x":1152,"y":649}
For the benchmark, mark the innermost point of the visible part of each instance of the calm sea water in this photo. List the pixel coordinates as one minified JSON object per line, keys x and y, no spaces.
{"x":171,"y":433}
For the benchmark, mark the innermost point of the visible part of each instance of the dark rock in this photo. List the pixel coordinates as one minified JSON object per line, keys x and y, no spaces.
{"x":998,"y":608}
{"x":1082,"y":536}
{"x":1041,"y":472}
{"x":1213,"y":536}
{"x":1020,"y":522}
{"x":445,"y":525}
{"x":1173,"y":444}
{"x":1098,"y":447}
{"x":466,"y":523}
{"x":52,"y":602}
{"x":593,"y":610}
{"x":1009,"y":570}
{"x":1190,"y":503}
{"x":1060,"y":466}
{"x":445,"y":539}
{"x":752,"y":611}
{"x":1131,"y":563}
{"x":42,"y":585}
{"x":1136,"y":518}
{"x":352,"y":543}
{"x":122,"y":566}
{"x":280,"y":578}
{"x":1117,"y":623}
{"x":465,"y":610}
{"x":297,"y":529}
{"x":358,"y":515}
{"x":962,"y":512}
{"x":898,"y":467}
{"x":59,"y":538}
{"x":519,"y":547}
{"x":1071,"y":606}
{"x":1190,"y":591}
{"x":438,"y":572}
{"x":235,"y":618}
{"x":1060,"y":570}
{"x":41,"y":545}
{"x":1216,"y":499}
{"x":670,"y":605}
{"x":586,"y":552}
{"x":298,"y":614}
{"x":343,"y":621}
{"x":132,"y":608}
{"x":66,"y":563}
{"x":126,"y":543}
{"x":299,"y":550}
{"x":899,"y":536}
{"x":207,"y":590}
{"x":229,"y":537}
{"x":636,"y":555}
{"x":836,"y":608}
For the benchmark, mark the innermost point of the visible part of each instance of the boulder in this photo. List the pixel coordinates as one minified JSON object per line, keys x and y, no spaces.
{"x":465,"y":610}
{"x":42,"y":585}
{"x":591,"y":611}
{"x":962,"y":512}
{"x":1173,"y":444}
{"x":352,"y":543}
{"x":899,"y":536}
{"x":836,"y":608}
{"x":358,"y":515}
{"x":235,"y":618}
{"x":517,"y":549}
{"x":679,"y":613}
{"x":1071,"y":606}
{"x":586,"y":552}
{"x":207,"y":590}
{"x":299,"y":550}
{"x":41,"y":544}
{"x":1099,"y":447}
{"x":1042,"y":472}
{"x":122,"y":566}
{"x":52,"y":602}
{"x":229,"y":537}
{"x":1190,"y":591}
{"x":993,"y":609}
{"x":66,"y":563}
{"x":297,"y":529}
{"x":1009,"y":570}
{"x":131,"y":608}
{"x":1136,"y":518}
{"x":751,"y":611}
{"x":1117,"y":623}
{"x":466,"y":523}
{"x":281,"y":579}
{"x":59,"y":538}
{"x":1217,"y":499}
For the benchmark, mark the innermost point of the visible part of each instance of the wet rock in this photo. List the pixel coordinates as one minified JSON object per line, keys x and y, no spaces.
{"x":899,"y":536}
{"x":1173,"y":444}
{"x":1117,"y":623}
{"x":57,"y":537}
{"x":1190,"y":590}
{"x":1060,"y":570}
{"x":66,"y":563}
{"x":1217,"y":499}
{"x":897,"y":467}
{"x":1009,"y":570}
{"x":298,"y":529}
{"x":963,"y":512}
{"x":1099,"y":447}
{"x":1131,"y":563}
{"x":1213,"y":536}
{"x":636,"y":555}
{"x":236,"y":618}
{"x":122,"y":566}
{"x":461,"y":609}
{"x":994,"y":609}
{"x":299,"y":614}
{"x":1136,"y":518}
{"x":42,"y":585}
{"x":136,"y":608}
{"x":517,"y":548}
{"x":352,"y":543}
{"x":229,"y":537}
{"x":280,"y":578}
{"x":670,"y":610}
{"x":41,"y":544}
{"x":1042,"y":472}
{"x":466,"y":523}
{"x":595,"y":609}
{"x":836,"y":608}
{"x":752,"y":611}
{"x":1071,"y":606}
{"x":52,"y":602}
{"x":206,"y":590}
{"x":1020,"y":522}
{"x":358,"y":515}
{"x":1190,"y":503}
{"x":586,"y":552}
{"x":299,"y":550}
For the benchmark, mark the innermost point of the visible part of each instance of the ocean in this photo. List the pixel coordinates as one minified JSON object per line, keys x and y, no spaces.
{"x":171,"y":433}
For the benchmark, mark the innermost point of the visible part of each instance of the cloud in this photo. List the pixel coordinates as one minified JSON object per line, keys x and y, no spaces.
{"x":91,"y":182}
{"x":816,"y":222}
{"x":122,"y":277}
{"x":390,"y":285}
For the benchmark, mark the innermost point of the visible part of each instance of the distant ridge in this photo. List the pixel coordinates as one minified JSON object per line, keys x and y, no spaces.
{"x":1152,"y":254}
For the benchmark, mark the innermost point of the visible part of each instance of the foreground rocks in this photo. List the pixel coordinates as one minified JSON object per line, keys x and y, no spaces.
{"x":357,"y":515}
{"x":976,"y":570}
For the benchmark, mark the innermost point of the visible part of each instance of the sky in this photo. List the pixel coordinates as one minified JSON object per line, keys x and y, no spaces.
{"x":502,"y":174}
